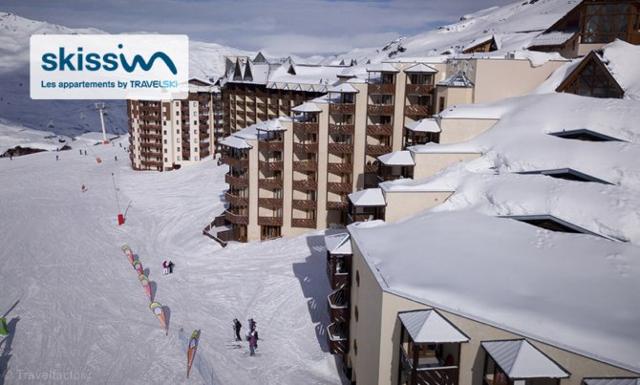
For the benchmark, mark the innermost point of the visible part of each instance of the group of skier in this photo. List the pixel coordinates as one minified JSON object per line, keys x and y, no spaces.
{"x":252,"y":334}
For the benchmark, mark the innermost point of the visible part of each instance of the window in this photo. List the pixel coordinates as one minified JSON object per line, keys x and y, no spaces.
{"x":195,"y":149}
{"x":166,"y":159}
{"x":165,"y":141}
{"x":165,"y":150}
{"x":195,"y":123}
{"x":178,"y":121}
{"x":357,"y":278}
{"x":356,"y":313}
{"x":195,"y":131}
{"x":177,"y":112}
{"x":178,"y":149}
{"x":355,"y":346}
{"x":603,"y":23}
{"x":441,"y":104}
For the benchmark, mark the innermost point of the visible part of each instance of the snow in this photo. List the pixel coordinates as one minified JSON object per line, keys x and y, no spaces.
{"x":382,"y":67}
{"x":235,"y":142}
{"x":272,"y":125}
{"x":343,"y":88}
{"x":367,"y":197}
{"x":541,"y":292}
{"x":551,"y":38}
{"x":397,"y":158}
{"x":420,"y":68}
{"x":427,"y":326}
{"x":79,"y":307}
{"x":307,"y":107}
{"x":338,"y":244}
{"x":622,"y":60}
{"x":519,"y":359}
{"x":459,"y":79}
{"x":12,"y":136}
{"x":424,"y":125}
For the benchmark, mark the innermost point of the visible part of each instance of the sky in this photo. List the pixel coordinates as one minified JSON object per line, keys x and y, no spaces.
{"x":278,"y":27}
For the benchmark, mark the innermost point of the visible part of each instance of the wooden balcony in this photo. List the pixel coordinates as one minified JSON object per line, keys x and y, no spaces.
{"x":337,"y":272}
{"x":342,"y":108}
{"x":270,"y":183}
{"x":305,"y":148}
{"x":340,"y":148}
{"x":304,"y":204}
{"x":236,"y":219}
{"x":380,"y":109}
{"x":340,"y":168}
{"x":265,"y":166}
{"x":305,"y":185}
{"x":270,"y":203}
{"x":151,"y":163}
{"x":235,"y":162}
{"x":303,"y":222}
{"x":305,"y":165}
{"x":428,"y":375}
{"x":150,"y":153}
{"x":270,"y":221}
{"x":339,"y":187}
{"x":340,"y":129}
{"x":236,"y":200}
{"x":237,"y":181}
{"x":333,"y":205}
{"x":338,"y":304}
{"x":379,"y":129}
{"x":302,"y":128}
{"x":264,"y":145}
{"x":150,"y":136}
{"x":371,"y":168}
{"x":419,"y":89}
{"x":157,"y":145}
{"x":338,"y":338}
{"x":382,"y":89}
{"x":417,"y":111}
{"x":377,"y":149}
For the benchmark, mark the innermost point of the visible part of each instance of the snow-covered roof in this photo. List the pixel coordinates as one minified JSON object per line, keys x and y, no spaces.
{"x":368,"y":197}
{"x":397,"y":158}
{"x":307,"y":107}
{"x":519,"y":360}
{"x":235,"y":142}
{"x":598,"y":320}
{"x":423,"y":125}
{"x":482,"y":40}
{"x":382,"y":67}
{"x":612,"y":381}
{"x":459,"y":79}
{"x":272,"y":125}
{"x":343,"y":88}
{"x":428,"y":326}
{"x":420,"y":68}
{"x":551,"y":38}
{"x":338,"y":244}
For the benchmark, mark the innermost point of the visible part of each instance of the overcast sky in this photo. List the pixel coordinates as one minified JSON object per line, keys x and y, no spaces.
{"x":300,"y":27}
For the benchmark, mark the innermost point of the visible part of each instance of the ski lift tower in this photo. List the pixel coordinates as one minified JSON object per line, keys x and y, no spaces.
{"x":101,"y":107}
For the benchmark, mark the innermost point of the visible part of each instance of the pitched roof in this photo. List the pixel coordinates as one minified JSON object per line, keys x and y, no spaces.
{"x":428,"y":326}
{"x":382,"y":67}
{"x":421,"y":68}
{"x":368,"y":197}
{"x":343,"y":88}
{"x":339,"y":243}
{"x":397,"y":158}
{"x":307,"y":107}
{"x":519,"y":359}
{"x":424,"y":125}
{"x":235,"y":142}
{"x":459,"y":79}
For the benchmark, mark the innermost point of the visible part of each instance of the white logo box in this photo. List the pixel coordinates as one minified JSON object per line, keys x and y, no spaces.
{"x":106,"y":67}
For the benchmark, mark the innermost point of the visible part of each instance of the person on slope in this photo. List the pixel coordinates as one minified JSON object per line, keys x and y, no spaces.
{"x":252,"y":324}
{"x":236,"y":327}
{"x":165,"y":267}
{"x":170,"y":266}
{"x":252,"y":337}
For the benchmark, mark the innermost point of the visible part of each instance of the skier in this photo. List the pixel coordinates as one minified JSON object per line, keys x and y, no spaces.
{"x":116,"y":158}
{"x":165,"y":267}
{"x":252,"y":324}
{"x":236,"y":327}
{"x":80,"y":151}
{"x":170,"y":267}
{"x":57,"y":158}
{"x":84,"y":188}
{"x":252,"y":337}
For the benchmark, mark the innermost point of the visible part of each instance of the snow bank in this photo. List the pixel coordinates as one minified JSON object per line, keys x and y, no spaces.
{"x":12,"y":136}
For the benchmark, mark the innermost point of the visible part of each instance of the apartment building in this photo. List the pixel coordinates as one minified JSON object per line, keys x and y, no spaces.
{"x":166,"y":134}
{"x":405,"y":313}
{"x":306,"y":166}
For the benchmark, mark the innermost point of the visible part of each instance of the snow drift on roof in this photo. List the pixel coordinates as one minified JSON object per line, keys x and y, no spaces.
{"x":307,"y":107}
{"x":343,"y":88}
{"x":382,"y":67}
{"x":397,"y":158}
{"x":424,"y":125}
{"x":622,"y":58}
{"x":368,"y":197}
{"x":519,"y":359}
{"x":420,"y":68}
{"x":338,"y":244}
{"x":552,"y":38}
{"x":428,"y":326}
{"x":272,"y":125}
{"x":546,"y":297}
{"x":235,"y":142}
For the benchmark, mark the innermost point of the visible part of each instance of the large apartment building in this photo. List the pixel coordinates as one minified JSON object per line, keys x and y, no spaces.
{"x":291,"y":175}
{"x":166,"y":134}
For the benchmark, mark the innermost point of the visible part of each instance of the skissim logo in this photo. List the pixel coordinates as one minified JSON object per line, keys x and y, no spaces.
{"x":109,"y":61}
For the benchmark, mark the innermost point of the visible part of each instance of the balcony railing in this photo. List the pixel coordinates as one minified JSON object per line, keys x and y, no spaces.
{"x":270,"y":183}
{"x":340,"y":168}
{"x":270,"y":221}
{"x":264,"y":165}
{"x":150,"y":136}
{"x":337,"y":129}
{"x":236,"y":200}
{"x":236,"y":218}
{"x":340,"y":148}
{"x":379,"y":129}
{"x":419,"y":89}
{"x":270,"y":203}
{"x":428,"y":375}
{"x":305,"y":148}
{"x":339,"y":187}
{"x":334,"y":205}
{"x":416,"y":110}
{"x":380,"y":109}
{"x":305,"y":127}
{"x":338,"y":338}
{"x":237,"y":181}
{"x":305,"y":185}
{"x":305,"y":165}
{"x":337,"y":276}
{"x":377,"y":149}
{"x":270,"y":145}
{"x":304,"y":204}
{"x":303,"y":222}
{"x":338,"y":302}
{"x":342,"y":108}
{"x":382,"y":89}
{"x":151,"y":144}
{"x":235,"y":162}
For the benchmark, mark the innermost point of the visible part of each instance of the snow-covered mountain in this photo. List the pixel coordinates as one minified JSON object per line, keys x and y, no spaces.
{"x":513,"y":26}
{"x":69,"y":117}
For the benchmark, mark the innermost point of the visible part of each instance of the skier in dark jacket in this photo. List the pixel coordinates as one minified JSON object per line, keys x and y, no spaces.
{"x":253,"y":341}
{"x":236,"y":327}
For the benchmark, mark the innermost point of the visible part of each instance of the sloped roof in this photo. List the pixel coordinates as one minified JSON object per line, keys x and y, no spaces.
{"x":424,"y":125}
{"x":343,"y":88}
{"x":428,"y":326}
{"x":519,"y":359}
{"x":552,"y":38}
{"x":459,"y":79}
{"x":271,"y":125}
{"x":368,"y":197}
{"x":421,"y":68}
{"x":339,"y":243}
{"x":397,"y":158}
{"x":235,"y":142}
{"x":382,"y":67}
{"x":307,"y":107}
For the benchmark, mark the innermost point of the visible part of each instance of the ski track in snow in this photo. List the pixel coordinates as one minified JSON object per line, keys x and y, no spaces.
{"x":82,"y":311}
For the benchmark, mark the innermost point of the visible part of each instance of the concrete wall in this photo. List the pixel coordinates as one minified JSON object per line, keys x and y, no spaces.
{"x":402,"y":204}
{"x":461,"y":130}
{"x":428,"y":164}
{"x":253,"y":230}
{"x":360,"y":135}
{"x":452,"y":96}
